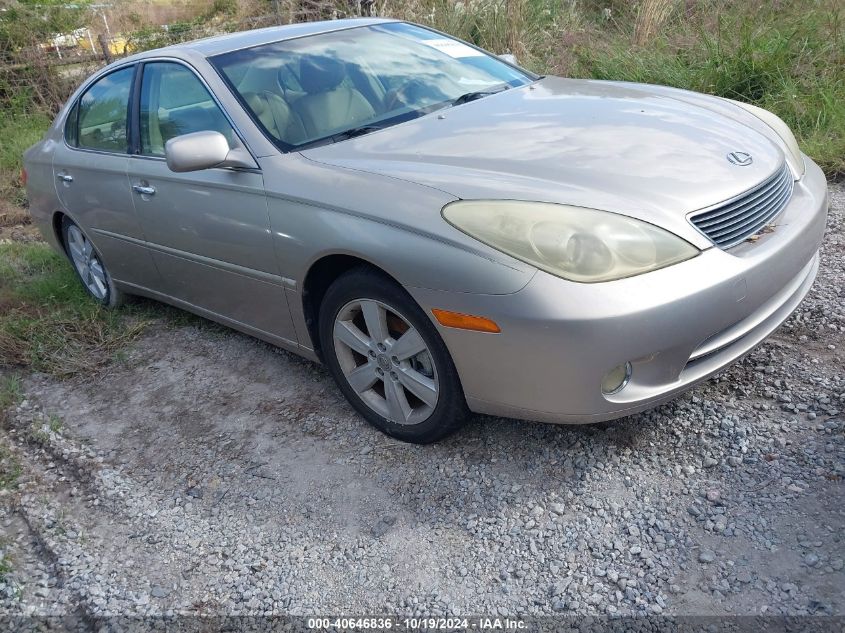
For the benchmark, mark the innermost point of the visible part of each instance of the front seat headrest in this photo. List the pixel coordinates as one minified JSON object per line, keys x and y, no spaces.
{"x":255,"y":102}
{"x":320,"y":74}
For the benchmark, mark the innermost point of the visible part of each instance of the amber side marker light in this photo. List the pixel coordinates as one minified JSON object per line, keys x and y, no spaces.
{"x":465,"y":321}
{"x":24,"y":176}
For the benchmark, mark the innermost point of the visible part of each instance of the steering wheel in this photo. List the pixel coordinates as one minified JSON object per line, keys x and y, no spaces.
{"x":404,"y":95}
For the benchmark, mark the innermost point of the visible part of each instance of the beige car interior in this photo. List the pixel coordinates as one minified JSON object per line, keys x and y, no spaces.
{"x":174,"y":102}
{"x":330,"y":103}
{"x":325,"y":102}
{"x":276,"y":115}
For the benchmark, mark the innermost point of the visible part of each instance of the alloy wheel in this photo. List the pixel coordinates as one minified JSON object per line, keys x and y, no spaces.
{"x":386,"y":361}
{"x":87,"y":263}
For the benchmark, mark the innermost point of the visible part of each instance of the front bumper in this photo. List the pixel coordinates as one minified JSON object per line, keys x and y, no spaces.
{"x":676,"y":326}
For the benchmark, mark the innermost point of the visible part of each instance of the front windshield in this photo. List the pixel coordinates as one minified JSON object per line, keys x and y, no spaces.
{"x":327,"y":87}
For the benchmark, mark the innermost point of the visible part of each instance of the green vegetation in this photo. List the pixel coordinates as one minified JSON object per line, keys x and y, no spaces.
{"x":55,"y":423}
{"x":10,"y":472}
{"x":25,"y":25}
{"x":5,"y":564}
{"x":788,"y":57}
{"x":785,"y":57}
{"x":38,"y":433}
{"x":47,"y":321}
{"x":18,"y":130}
{"x":10,"y":391}
{"x":23,"y":20}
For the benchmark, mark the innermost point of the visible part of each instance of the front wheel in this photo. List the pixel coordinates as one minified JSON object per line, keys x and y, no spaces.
{"x":388,"y":359}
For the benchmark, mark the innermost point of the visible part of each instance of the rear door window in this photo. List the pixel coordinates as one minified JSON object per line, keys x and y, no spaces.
{"x":102,"y":116}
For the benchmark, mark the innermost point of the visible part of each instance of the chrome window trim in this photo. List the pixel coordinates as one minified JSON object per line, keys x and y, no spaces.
{"x":74,"y":103}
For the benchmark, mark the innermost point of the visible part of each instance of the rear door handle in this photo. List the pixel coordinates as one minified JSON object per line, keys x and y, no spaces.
{"x":144,"y":190}
{"x":65,"y":177}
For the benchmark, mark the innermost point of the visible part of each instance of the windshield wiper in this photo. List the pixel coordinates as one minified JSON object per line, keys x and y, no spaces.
{"x":478,"y":94}
{"x":356,"y":131}
{"x":340,"y":136}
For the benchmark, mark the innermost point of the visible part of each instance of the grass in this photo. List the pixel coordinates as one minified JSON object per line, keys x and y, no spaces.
{"x":47,"y":321}
{"x":10,"y":391}
{"x":54,"y":422}
{"x":10,"y":469}
{"x":786,"y":58}
{"x":5,"y":568}
{"x":18,"y":130}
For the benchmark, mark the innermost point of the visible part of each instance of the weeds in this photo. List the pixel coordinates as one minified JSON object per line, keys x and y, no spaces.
{"x":54,"y":422}
{"x":19,"y":130}
{"x":789,"y":59}
{"x":784,"y":57}
{"x":39,"y":433}
{"x":5,"y":568}
{"x":47,"y":321}
{"x":10,"y":469}
{"x":651,"y":16}
{"x":10,"y":394}
{"x":11,"y":391}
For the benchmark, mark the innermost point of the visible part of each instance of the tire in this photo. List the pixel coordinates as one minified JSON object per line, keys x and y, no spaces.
{"x":89,"y":266}
{"x":415,"y":398}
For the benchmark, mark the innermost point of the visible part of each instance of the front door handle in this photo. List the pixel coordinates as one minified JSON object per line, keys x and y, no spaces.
{"x":144,"y":190}
{"x":65,"y":177}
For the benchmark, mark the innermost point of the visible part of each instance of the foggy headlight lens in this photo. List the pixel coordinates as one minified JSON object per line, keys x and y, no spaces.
{"x":781,"y":129}
{"x":574,"y":243}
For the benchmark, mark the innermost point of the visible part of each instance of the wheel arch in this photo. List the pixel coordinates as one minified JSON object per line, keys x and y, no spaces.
{"x":56,"y":222}
{"x":320,"y":276}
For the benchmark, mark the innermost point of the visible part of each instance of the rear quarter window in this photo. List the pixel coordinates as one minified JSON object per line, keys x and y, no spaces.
{"x":72,"y":126}
{"x":103,"y":113}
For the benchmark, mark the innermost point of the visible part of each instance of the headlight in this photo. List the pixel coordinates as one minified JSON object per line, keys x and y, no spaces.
{"x":781,"y":129}
{"x":571,"y":242}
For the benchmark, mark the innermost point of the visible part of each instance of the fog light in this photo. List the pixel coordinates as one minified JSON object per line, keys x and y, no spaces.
{"x":616,"y":379}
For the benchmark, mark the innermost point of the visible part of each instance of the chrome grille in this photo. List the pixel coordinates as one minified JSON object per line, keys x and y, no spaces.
{"x":735,"y":221}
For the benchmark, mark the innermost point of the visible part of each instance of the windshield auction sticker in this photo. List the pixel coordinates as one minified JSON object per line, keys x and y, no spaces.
{"x":453,"y":48}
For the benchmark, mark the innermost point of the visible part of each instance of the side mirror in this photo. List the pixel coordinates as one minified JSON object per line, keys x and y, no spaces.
{"x":509,"y":58}
{"x":204,"y":150}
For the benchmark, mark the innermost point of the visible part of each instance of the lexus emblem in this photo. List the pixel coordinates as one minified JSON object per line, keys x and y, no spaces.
{"x":740,"y":158}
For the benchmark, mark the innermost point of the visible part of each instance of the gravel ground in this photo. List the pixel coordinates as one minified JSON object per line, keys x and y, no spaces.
{"x":208,"y":473}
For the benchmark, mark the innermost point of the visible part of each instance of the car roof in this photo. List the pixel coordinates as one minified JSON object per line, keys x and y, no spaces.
{"x":218,"y":44}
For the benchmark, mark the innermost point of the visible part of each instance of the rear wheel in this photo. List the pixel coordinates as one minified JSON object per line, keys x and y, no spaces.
{"x":89,"y":266}
{"x":388,"y":359}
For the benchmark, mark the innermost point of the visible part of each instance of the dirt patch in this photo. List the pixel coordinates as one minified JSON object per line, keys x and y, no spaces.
{"x":16,"y":224}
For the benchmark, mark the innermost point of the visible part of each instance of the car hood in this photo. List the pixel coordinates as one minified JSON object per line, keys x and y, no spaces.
{"x":649,"y":152}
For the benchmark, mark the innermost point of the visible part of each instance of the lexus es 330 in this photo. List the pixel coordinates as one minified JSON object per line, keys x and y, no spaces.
{"x":444,"y":230}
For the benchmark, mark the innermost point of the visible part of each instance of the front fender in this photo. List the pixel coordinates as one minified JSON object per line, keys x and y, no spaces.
{"x":319,"y":210}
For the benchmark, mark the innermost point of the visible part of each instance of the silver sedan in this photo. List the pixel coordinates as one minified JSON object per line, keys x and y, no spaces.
{"x":444,"y":230}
